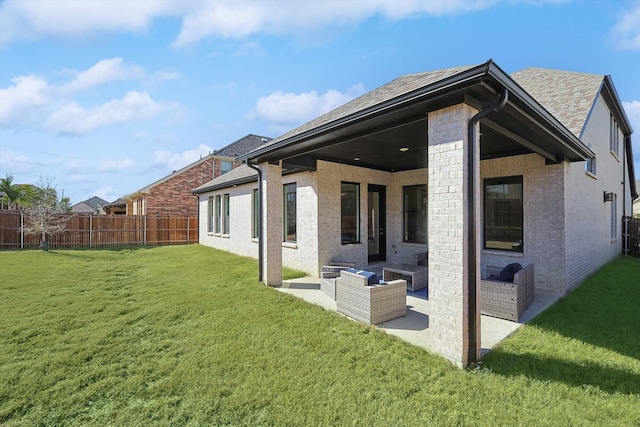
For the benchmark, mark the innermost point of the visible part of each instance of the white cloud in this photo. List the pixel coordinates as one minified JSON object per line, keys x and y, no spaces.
{"x":281,"y":108}
{"x":32,"y":19}
{"x":201,"y":19}
{"x":103,"y":72}
{"x":108,"y":193}
{"x":75,"y":120}
{"x":19,"y":103}
{"x":627,"y":29}
{"x":174,"y":161}
{"x":116,"y":165}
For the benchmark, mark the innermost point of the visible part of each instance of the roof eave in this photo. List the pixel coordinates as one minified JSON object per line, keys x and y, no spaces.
{"x":223,"y":185}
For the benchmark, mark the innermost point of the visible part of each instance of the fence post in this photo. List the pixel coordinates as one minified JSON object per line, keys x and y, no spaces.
{"x":188,"y":234}
{"x":21,"y":230}
{"x":90,"y":229}
{"x":144,"y":231}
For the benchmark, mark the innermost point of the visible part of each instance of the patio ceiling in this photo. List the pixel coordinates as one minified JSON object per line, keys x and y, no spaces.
{"x":374,"y":136}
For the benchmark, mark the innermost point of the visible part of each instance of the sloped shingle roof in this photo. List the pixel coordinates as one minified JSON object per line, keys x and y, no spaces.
{"x":240,"y":175}
{"x":398,"y":87}
{"x":569,"y":96}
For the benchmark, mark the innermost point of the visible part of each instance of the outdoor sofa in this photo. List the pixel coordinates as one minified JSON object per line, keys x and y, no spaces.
{"x":370,"y":302}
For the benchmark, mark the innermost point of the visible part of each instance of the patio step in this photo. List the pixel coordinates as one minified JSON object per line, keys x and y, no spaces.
{"x":302,"y":283}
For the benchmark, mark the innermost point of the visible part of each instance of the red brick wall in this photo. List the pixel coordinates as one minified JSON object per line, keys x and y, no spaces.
{"x":173,"y":197}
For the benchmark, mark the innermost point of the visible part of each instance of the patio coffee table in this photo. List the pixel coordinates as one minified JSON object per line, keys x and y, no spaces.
{"x":415,"y":275}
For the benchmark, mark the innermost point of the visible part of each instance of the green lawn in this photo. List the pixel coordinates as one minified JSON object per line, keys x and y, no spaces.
{"x":186,"y":336}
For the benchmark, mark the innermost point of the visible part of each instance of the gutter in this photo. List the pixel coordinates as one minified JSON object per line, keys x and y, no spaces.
{"x":260,"y":226}
{"x":472,"y":256}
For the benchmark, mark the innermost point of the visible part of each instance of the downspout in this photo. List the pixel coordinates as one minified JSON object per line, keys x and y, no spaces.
{"x":625,"y":221}
{"x":472,"y":256}
{"x":260,"y":226}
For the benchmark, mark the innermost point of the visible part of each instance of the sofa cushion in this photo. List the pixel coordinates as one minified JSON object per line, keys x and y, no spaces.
{"x":507,"y":273}
{"x":372,"y":278}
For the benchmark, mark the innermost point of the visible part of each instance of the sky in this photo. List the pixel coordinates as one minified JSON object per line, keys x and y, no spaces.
{"x":102,"y":98}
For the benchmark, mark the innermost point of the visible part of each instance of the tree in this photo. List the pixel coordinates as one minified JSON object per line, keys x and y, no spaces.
{"x":10,"y":191}
{"x":45,"y":213}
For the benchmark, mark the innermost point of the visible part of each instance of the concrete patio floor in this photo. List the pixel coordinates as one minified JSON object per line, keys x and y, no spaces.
{"x":414,"y":327}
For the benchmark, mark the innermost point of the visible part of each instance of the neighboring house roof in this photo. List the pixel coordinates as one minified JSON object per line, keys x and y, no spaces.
{"x":241,"y":175}
{"x":231,"y":151}
{"x":94,"y":204}
{"x":241,"y":146}
{"x":117,"y":202}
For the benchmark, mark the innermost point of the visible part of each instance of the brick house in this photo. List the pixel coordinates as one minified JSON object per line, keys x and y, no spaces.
{"x":172,"y":195}
{"x":471,"y":164}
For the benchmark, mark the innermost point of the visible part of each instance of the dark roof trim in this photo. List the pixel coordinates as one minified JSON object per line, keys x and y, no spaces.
{"x":227,"y":184}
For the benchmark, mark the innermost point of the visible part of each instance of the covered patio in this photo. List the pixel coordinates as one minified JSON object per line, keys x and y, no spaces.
{"x":440,"y":124}
{"x":414,"y":327}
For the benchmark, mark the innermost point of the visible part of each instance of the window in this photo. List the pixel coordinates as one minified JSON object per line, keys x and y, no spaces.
{"x":218,"y":227}
{"x":350,"y":212}
{"x":225,"y":166}
{"x":255,"y":231}
{"x":414,"y":207}
{"x":503,"y":219}
{"x":210,"y":215}
{"x":590,"y":166}
{"x":614,"y":136}
{"x":226,"y":214}
{"x":290,"y":213}
{"x":614,"y":217}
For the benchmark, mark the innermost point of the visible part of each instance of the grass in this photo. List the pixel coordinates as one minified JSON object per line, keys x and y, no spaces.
{"x":186,"y":336}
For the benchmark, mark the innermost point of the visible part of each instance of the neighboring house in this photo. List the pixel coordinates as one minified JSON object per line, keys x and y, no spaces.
{"x":474,"y":165}
{"x":117,"y":207}
{"x":172,"y":195}
{"x":93,"y":206}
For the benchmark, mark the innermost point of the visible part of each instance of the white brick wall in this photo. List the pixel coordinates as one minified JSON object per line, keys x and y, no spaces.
{"x":588,"y":218}
{"x":543,"y":217}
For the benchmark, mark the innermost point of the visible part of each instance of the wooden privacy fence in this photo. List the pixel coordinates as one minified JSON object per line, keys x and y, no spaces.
{"x":93,"y":231}
{"x":631,"y":232}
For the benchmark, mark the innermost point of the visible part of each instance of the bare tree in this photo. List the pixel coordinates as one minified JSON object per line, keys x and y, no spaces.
{"x":45,"y":213}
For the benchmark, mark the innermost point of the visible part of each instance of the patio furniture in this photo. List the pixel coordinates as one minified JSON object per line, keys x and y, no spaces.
{"x":507,"y":300}
{"x":416,"y":276}
{"x":371,"y":304}
{"x":329,"y":274}
{"x":421,"y":258}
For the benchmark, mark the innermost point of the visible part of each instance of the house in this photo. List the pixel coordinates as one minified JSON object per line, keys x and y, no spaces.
{"x":171,"y":195}
{"x":471,"y":164}
{"x":95,"y":205}
{"x":117,"y":207}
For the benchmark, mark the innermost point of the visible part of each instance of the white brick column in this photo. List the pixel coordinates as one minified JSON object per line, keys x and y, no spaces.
{"x":448,"y":232}
{"x":271,"y":239}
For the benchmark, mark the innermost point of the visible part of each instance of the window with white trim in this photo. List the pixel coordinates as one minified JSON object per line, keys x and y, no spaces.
{"x":614,"y":136}
{"x":255,"y":214}
{"x":210,"y":215}
{"x":218,"y":223}
{"x":227,"y":200}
